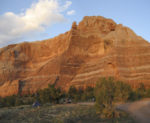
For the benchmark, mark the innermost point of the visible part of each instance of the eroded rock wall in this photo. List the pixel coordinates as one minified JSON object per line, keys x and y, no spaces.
{"x":96,"y":47}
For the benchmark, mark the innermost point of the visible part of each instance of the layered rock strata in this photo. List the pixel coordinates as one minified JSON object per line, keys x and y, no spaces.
{"x":96,"y":47}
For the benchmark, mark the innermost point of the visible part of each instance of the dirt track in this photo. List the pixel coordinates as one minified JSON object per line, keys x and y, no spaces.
{"x":140,"y":110}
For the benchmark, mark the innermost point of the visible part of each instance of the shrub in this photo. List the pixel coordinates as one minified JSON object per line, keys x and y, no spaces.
{"x":141,"y":91}
{"x":72,"y":92}
{"x":104,"y":93}
{"x":148,"y":93}
{"x":8,"y":101}
{"x":50,"y":94}
{"x":122,"y":91}
{"x":88,"y":94}
{"x":80,"y":94}
{"x":138,"y":93}
{"x":18,"y":102}
{"x":107,"y":92}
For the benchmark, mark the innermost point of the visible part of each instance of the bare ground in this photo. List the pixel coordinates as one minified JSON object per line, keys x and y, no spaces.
{"x":139,"y":110}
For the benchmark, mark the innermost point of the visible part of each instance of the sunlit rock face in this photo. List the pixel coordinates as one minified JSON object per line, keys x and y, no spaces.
{"x":96,"y":47}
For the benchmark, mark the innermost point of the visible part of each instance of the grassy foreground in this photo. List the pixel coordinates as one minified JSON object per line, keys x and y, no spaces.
{"x":67,"y":113}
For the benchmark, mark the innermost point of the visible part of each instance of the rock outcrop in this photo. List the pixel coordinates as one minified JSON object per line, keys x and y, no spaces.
{"x":96,"y":47}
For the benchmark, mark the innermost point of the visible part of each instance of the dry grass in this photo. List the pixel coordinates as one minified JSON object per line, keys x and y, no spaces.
{"x":68,"y":113}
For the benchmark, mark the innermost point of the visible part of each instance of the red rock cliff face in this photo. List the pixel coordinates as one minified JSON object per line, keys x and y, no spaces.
{"x":96,"y":47}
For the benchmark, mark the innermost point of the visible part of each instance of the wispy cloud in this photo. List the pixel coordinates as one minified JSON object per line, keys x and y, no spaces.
{"x":14,"y":27}
{"x":71,"y":12}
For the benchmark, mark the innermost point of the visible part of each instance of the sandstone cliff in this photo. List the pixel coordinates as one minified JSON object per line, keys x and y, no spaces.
{"x":96,"y":47}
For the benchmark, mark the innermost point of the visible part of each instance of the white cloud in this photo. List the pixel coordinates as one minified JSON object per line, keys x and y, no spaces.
{"x":68,"y":3}
{"x":71,"y":12}
{"x":14,"y":27}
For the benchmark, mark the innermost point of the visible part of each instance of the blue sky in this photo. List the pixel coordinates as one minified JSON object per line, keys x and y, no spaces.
{"x":30,"y":20}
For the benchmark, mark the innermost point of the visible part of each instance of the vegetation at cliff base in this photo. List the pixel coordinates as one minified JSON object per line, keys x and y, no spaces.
{"x":109,"y":88}
{"x":49,"y":95}
{"x":106,"y":93}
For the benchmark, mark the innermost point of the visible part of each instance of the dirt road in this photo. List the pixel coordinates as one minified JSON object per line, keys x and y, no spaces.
{"x":140,"y":110}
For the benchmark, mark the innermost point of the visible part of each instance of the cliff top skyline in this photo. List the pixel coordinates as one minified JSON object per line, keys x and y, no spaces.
{"x":32,"y":20}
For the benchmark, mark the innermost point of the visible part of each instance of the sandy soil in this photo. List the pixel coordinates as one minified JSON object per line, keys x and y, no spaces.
{"x":139,"y":110}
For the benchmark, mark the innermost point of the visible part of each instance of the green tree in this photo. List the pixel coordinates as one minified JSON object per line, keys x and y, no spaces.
{"x":104,"y":93}
{"x":141,"y":91}
{"x":50,"y":94}
{"x":122,"y":91}
{"x":72,"y":92}
{"x":78,"y":94}
{"x":148,"y":93}
{"x":55,"y":93}
{"x":88,"y":93}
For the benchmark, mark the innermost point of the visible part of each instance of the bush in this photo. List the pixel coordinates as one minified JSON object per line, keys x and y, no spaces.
{"x":18,"y":102}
